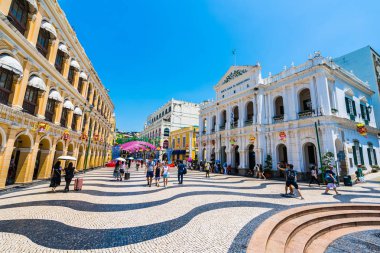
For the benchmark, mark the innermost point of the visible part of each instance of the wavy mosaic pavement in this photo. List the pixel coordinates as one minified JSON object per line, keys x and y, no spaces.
{"x":130,"y":217}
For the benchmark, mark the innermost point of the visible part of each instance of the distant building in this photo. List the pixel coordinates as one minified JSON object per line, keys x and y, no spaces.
{"x":280,"y":116}
{"x":365,"y":64}
{"x":172,"y":116}
{"x":183,"y":144}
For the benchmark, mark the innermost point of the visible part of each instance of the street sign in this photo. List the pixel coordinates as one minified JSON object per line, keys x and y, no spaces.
{"x":341,"y":156}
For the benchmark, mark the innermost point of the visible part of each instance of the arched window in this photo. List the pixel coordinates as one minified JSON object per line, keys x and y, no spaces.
{"x":50,"y":108}
{"x":305,"y":100}
{"x":18,"y":14}
{"x":235,"y":117}
{"x":70,"y":77}
{"x":357,"y":151}
{"x":249,"y":113}
{"x":80,"y":85}
{"x":30,"y":100}
{"x":43,"y":42}
{"x":223,"y":120}
{"x":64,"y":115}
{"x":6,"y":80}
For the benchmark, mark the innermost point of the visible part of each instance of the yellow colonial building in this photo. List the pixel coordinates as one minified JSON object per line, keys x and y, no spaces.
{"x":183,"y":143}
{"x":51,"y":98}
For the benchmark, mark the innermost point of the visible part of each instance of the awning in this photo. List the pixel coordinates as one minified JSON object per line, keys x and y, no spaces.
{"x":63,"y":48}
{"x":78,"y":111}
{"x":9,"y":63}
{"x":54,"y":95}
{"x":75,"y":64}
{"x":83,"y":75}
{"x":50,"y":28}
{"x":68,"y":105}
{"x":32,"y":6}
{"x":37,"y":82}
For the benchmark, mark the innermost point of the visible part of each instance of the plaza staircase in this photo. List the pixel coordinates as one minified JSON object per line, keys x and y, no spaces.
{"x":311,"y":229}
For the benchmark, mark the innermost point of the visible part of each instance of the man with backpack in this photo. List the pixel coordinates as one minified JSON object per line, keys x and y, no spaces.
{"x":291,"y":179}
{"x":330,"y":180}
{"x":181,"y":171}
{"x":150,"y":166}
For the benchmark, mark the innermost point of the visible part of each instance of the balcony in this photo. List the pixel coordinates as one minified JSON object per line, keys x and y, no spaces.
{"x":278,"y":118}
{"x":305,"y":114}
{"x":248,"y":122}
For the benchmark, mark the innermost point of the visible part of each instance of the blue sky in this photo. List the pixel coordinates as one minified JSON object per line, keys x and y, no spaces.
{"x":147,"y":52}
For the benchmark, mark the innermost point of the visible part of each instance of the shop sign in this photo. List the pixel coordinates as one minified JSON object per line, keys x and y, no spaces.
{"x":84,"y":136}
{"x":41,"y":127}
{"x":66,"y":135}
{"x":282,"y":136}
{"x":362,"y":130}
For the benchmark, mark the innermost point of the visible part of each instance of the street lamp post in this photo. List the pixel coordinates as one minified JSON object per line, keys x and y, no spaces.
{"x":89,"y":141}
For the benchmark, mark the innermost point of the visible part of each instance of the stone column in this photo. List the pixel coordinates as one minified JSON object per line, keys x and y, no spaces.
{"x":5,"y":6}
{"x":66,"y":67}
{"x":34,"y":27}
{"x":323,"y":94}
{"x":70,"y":115}
{"x":76,"y":79}
{"x":52,"y":52}
{"x":46,"y":163}
{"x":6,"y":155}
{"x":84,"y":89}
{"x":313,"y":95}
{"x":24,"y":169}
{"x":58,"y":113}
{"x":42,"y":101}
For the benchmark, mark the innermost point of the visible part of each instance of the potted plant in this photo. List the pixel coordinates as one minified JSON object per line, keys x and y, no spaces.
{"x":268,"y":167}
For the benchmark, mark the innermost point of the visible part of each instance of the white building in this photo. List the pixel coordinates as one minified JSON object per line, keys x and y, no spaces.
{"x":253,"y":117}
{"x":172,"y":116}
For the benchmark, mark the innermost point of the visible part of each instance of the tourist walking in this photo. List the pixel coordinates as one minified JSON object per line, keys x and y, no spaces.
{"x":207,"y":169}
{"x":56,"y":175}
{"x":165,"y":174}
{"x":330,"y":180}
{"x":291,"y":180}
{"x":181,"y":172}
{"x":69,"y":175}
{"x":261,"y":172}
{"x":225,"y":168}
{"x":314,"y":176}
{"x":150,"y":165}
{"x":116,"y":171}
{"x":157,"y":173}
{"x":122,"y":170}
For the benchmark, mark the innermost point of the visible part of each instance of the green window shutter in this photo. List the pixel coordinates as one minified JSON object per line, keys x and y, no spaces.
{"x":362,"y":111}
{"x":366,"y":110}
{"x":347,"y":105}
{"x":374,"y":156}
{"x":361,"y":156}
{"x":355,"y":158}
{"x":354,"y":107}
{"x":369,"y":156}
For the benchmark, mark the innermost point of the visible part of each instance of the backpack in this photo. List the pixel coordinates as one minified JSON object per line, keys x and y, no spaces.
{"x":291,"y":175}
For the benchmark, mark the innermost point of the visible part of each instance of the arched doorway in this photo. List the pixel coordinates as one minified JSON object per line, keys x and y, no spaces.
{"x":19,"y":160}
{"x":236,"y":157}
{"x":251,"y":157}
{"x":58,"y":152}
{"x":282,"y":153}
{"x":41,"y":159}
{"x":310,"y":155}
{"x":249,"y":113}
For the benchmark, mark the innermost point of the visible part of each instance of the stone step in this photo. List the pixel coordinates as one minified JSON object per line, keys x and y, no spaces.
{"x":300,"y":241}
{"x":276,"y":232}
{"x":283,"y":234}
{"x":320,"y":244}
